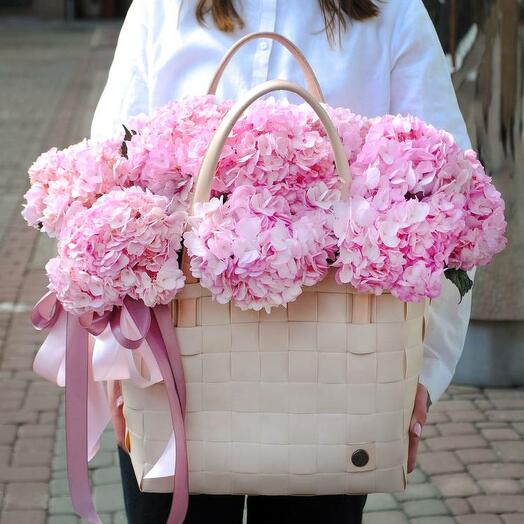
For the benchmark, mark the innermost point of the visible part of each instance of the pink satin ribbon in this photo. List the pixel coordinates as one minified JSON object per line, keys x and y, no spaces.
{"x":155,"y":327}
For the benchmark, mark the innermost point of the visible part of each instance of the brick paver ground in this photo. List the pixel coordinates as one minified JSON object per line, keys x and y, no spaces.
{"x":471,"y":464}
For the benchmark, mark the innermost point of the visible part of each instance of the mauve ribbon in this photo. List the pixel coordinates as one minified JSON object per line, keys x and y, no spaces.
{"x":155,"y":327}
{"x":161,"y":336}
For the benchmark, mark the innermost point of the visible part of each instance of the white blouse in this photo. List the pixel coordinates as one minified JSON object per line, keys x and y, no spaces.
{"x":390,"y":64}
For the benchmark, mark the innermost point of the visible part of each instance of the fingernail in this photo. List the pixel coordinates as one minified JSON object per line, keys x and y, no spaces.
{"x":119,"y":401}
{"x":417,"y":429}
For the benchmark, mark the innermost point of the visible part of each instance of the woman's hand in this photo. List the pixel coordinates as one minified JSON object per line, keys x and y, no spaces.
{"x":418,"y":419}
{"x":116,"y":404}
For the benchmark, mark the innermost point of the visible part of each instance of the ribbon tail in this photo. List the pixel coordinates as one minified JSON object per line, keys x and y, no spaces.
{"x":165,"y":323}
{"x":164,"y":465}
{"x":76,"y":394}
{"x":180,"y":481}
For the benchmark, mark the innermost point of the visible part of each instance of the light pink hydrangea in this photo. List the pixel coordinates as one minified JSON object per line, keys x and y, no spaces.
{"x":165,"y":156}
{"x":412,"y":211}
{"x":252,"y":250}
{"x":280,"y":145}
{"x":81,"y":173}
{"x":125,"y":244}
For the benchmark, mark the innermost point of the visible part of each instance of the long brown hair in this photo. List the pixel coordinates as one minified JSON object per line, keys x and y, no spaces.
{"x":336,"y":13}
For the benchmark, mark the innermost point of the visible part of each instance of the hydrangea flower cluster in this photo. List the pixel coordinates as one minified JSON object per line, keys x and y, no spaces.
{"x":75,"y":176}
{"x":251,"y":249}
{"x":126,"y":243}
{"x":418,"y":206}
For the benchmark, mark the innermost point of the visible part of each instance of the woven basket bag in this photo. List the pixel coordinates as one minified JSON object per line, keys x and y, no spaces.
{"x":315,"y":398}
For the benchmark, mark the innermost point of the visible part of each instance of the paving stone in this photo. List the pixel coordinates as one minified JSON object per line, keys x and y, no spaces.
{"x":106,"y":475}
{"x":19,"y":416}
{"x":500,"y":434}
{"x":436,"y":462}
{"x":120,"y":518}
{"x":28,"y":495}
{"x":476,"y":456}
{"x":500,"y":486}
{"x":483,"y":404}
{"x":63,"y":519}
{"x":384,"y":517}
{"x":59,"y":463}
{"x":24,"y":473}
{"x":23,"y":517}
{"x":425,"y":508}
{"x":493,"y":393}
{"x":497,"y":503}
{"x":509,"y":451}
{"x":458,"y":506}
{"x":102,"y":459}
{"x":381,"y":502}
{"x":108,"y":497}
{"x":36,"y":430}
{"x":430,"y":431}
{"x":508,"y":403}
{"x":518,"y":427}
{"x":456,"y":485}
{"x":60,"y":505}
{"x":478,"y":519}
{"x":433,"y":520}
{"x":496,"y":471}
{"x":32,"y":452}
{"x":510,"y":415}
{"x":437,"y":417}
{"x":455,"y":442}
{"x":453,"y":405}
{"x":59,"y":487}
{"x":513,"y":518}
{"x":472,"y":415}
{"x":456,"y":428}
{"x":418,"y":491}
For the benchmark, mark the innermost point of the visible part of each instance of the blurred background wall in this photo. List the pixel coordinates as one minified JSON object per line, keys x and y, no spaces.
{"x":484,"y":42}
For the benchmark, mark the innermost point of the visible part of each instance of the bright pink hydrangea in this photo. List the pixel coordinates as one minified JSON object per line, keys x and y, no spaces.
{"x":125,"y":244}
{"x":252,"y":250}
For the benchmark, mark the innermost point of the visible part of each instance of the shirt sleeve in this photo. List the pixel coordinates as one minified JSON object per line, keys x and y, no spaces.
{"x":421,"y":85}
{"x":126,"y":90}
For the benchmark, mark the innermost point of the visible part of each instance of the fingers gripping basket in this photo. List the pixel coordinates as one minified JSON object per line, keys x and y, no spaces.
{"x":311,"y":399}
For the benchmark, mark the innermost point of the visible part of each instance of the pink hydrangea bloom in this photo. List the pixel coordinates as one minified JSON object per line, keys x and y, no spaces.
{"x":418,"y":205}
{"x":165,"y":155}
{"x":252,"y":250}
{"x":126,"y":243}
{"x":81,"y":173}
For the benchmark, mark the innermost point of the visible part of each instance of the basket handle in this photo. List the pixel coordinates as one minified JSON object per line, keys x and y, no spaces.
{"x":309,"y":74}
{"x":214,"y":150}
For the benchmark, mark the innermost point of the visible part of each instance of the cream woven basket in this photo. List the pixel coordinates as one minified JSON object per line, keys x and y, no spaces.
{"x":311,"y":399}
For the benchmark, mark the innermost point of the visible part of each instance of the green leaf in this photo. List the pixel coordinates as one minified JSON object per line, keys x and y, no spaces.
{"x":461,"y":279}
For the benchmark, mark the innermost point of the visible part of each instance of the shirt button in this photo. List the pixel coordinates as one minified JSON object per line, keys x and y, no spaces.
{"x":263,"y":45}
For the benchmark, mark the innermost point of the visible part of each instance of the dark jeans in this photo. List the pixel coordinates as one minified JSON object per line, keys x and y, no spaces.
{"x":153,"y":508}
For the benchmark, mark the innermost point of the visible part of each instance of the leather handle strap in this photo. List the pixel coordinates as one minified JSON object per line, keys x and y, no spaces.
{"x":309,"y":75}
{"x":214,"y":150}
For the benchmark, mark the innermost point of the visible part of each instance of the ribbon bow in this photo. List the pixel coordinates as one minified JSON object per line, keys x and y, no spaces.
{"x":155,"y":327}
